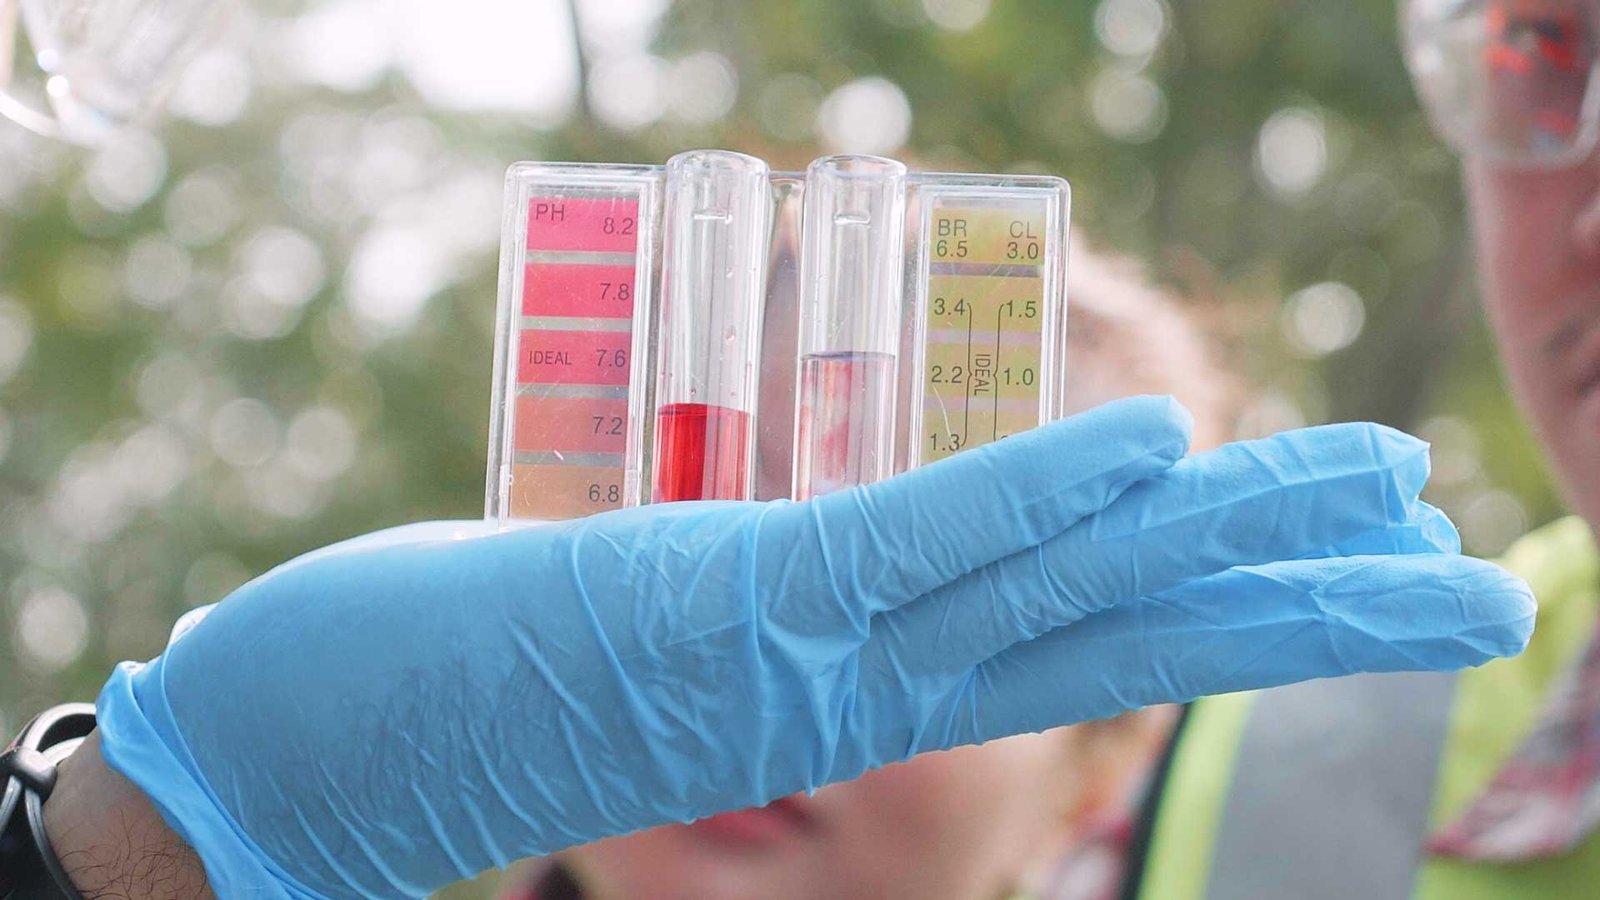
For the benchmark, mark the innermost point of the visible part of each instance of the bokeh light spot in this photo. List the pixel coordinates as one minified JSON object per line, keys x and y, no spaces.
{"x":1323,"y":318}
{"x":868,"y":115}
{"x":52,"y":628}
{"x":244,"y":432}
{"x":151,"y":463}
{"x":612,"y":26}
{"x":701,"y":88}
{"x":321,"y":443}
{"x":212,"y":577}
{"x":127,"y":171}
{"x":1131,"y":28}
{"x":214,"y":90}
{"x":346,"y":45}
{"x":283,"y":265}
{"x":956,"y":15}
{"x":16,"y":337}
{"x":156,"y":271}
{"x":164,"y":384}
{"x":1491,"y":521}
{"x":393,"y":273}
{"x":1272,"y":412}
{"x":1292,"y":151}
{"x":626,"y":90}
{"x":1128,"y":106}
{"x":489,"y":55}
{"x":282,"y":491}
{"x":202,"y":207}
{"x":1453,"y":450}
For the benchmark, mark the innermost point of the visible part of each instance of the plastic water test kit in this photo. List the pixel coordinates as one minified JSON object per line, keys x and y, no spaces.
{"x":645,"y":312}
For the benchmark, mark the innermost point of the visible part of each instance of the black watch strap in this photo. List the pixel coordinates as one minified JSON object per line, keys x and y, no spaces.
{"x":29,"y":868}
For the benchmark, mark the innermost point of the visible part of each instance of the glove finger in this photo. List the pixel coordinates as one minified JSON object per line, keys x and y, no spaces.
{"x":1429,"y":530}
{"x":1247,"y":629}
{"x":881,"y":545}
{"x":1244,"y":504}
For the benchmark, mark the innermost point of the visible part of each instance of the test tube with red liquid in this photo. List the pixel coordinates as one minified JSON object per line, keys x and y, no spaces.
{"x":718,"y":227}
{"x":851,"y":272}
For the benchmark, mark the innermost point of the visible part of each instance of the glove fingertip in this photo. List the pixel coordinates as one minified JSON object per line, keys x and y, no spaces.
{"x":1407,"y":456}
{"x":1520,"y":607}
{"x":1436,"y":528}
{"x":1490,"y":611}
{"x":1171,"y":423}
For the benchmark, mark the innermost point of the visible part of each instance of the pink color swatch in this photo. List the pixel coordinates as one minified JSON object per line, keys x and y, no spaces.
{"x":574,"y":357}
{"x":592,"y":224}
{"x":578,"y":291}
{"x":572,"y":424}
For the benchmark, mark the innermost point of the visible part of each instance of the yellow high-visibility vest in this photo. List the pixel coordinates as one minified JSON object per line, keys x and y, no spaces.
{"x":1330,"y":789}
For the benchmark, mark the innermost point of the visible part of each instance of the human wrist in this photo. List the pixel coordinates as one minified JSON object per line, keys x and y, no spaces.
{"x":111,"y":839}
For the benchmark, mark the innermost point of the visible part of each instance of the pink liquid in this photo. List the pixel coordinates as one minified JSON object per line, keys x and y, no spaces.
{"x":845,"y":429}
{"x":702,"y":453}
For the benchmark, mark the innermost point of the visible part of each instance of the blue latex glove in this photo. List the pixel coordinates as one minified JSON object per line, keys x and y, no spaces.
{"x":392,"y":714}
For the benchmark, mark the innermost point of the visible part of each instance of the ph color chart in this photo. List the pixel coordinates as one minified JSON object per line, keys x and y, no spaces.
{"x":584,"y":284}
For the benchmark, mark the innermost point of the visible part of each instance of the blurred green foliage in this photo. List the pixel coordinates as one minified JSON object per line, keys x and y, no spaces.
{"x":181,"y":417}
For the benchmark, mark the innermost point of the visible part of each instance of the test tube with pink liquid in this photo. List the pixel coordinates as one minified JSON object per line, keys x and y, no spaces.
{"x":850,"y":317}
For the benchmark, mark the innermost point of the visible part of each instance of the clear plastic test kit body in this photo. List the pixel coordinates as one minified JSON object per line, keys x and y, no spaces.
{"x":711,"y":330}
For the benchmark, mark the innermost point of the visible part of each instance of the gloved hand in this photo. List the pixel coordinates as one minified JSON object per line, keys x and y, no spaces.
{"x":388,"y":715}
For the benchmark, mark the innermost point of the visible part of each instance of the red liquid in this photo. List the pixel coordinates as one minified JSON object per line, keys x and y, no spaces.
{"x":702,"y":453}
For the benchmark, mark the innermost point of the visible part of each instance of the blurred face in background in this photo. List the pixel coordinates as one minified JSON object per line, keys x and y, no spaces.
{"x":1512,"y":84}
{"x":960,"y":824}
{"x":1538,"y":236}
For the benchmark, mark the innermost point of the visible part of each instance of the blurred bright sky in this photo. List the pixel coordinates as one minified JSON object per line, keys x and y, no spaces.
{"x":471,"y":54}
